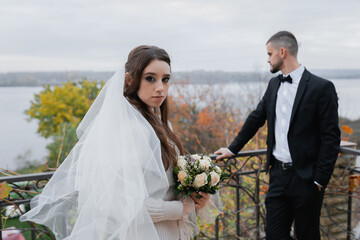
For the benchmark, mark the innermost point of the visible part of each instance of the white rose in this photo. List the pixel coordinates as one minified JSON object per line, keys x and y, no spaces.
{"x":195,"y":156}
{"x":218,"y":170}
{"x":181,"y":163}
{"x":207,"y":158}
{"x":200,"y":180}
{"x":181,"y":176}
{"x":204,"y":164}
{"x":215,"y":178}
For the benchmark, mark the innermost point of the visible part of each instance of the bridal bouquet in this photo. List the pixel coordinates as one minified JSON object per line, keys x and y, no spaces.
{"x":196,"y":173}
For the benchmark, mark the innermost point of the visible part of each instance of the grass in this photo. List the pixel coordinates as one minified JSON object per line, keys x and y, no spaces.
{"x":14,"y":222}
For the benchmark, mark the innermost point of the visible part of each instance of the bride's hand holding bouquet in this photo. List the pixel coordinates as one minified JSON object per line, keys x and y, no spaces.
{"x":197,"y":176}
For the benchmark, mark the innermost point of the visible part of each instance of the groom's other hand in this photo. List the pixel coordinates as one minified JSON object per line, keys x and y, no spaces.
{"x":223,"y":153}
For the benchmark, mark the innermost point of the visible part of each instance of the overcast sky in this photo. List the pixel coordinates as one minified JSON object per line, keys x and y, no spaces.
{"x":67,"y":35}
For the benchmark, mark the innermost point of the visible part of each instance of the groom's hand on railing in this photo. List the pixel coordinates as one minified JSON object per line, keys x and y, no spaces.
{"x":223,"y":153}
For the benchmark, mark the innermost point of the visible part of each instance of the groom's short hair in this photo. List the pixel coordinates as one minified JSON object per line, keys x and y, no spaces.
{"x":285,"y":39}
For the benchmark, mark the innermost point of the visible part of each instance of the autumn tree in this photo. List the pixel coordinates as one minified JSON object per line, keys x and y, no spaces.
{"x":59,"y":110}
{"x":205,"y":119}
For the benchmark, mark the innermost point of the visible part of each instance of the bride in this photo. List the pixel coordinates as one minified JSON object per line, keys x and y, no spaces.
{"x":117,"y":182}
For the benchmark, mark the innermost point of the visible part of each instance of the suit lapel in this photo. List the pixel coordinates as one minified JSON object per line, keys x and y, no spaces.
{"x":300,"y":91}
{"x":273,"y":99}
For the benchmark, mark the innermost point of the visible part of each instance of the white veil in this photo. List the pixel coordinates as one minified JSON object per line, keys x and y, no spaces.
{"x":98,"y":192}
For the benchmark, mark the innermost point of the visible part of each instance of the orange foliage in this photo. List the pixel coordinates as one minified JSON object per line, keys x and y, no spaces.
{"x":205,"y":117}
{"x":354,"y":181}
{"x":205,"y":121}
{"x":347,"y":129}
{"x":264,"y":189}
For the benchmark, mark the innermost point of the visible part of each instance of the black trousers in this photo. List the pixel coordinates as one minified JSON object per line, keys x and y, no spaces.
{"x":289,"y":199}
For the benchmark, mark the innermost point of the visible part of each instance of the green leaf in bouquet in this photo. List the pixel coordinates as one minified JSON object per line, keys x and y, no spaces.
{"x":191,"y":190}
{"x":176,"y":170}
{"x":212,"y":191}
{"x":199,"y":196}
{"x":209,"y":179}
{"x":176,"y":191}
{"x":203,"y":154}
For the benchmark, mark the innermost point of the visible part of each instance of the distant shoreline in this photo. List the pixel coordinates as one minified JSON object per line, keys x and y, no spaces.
{"x":33,"y":79}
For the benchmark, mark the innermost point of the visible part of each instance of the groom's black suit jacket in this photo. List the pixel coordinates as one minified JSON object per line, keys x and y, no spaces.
{"x":313,"y":136}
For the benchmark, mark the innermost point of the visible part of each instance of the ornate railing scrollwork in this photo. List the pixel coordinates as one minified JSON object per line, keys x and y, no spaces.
{"x":243,"y":195}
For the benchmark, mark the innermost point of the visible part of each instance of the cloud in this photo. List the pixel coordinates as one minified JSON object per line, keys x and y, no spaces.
{"x":211,"y":35}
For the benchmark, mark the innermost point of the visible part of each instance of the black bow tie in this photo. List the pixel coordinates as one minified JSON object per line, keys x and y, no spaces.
{"x":285,"y":79}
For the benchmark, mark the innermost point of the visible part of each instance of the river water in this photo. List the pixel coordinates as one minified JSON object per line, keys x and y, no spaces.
{"x":18,"y":136}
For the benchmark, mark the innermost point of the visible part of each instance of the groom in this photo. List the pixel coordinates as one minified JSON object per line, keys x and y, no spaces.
{"x":302,"y":141}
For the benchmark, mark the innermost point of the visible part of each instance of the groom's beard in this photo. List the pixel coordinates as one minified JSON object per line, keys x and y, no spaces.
{"x":274,"y":68}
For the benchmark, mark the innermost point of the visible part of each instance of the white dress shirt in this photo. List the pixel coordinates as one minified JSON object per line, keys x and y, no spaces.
{"x":284,"y":104}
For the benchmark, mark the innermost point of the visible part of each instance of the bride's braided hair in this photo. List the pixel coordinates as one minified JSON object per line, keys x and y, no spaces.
{"x":139,"y":58}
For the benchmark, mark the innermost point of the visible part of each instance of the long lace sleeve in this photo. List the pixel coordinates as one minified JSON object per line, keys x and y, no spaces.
{"x":161,"y":210}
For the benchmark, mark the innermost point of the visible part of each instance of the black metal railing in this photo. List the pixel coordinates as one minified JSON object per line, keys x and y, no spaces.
{"x":243,"y":195}
{"x":248,"y":184}
{"x":24,"y":187}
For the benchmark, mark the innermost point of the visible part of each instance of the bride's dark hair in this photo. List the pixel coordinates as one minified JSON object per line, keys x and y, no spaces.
{"x":139,"y":58}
